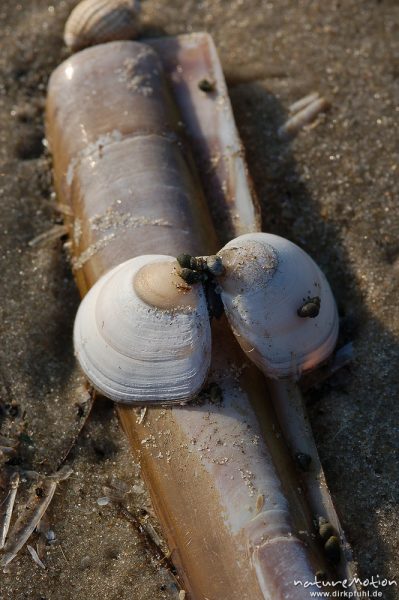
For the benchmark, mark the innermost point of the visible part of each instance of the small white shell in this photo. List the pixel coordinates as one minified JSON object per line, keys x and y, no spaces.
{"x":267,"y":279}
{"x":140,"y":342}
{"x":97,"y":21}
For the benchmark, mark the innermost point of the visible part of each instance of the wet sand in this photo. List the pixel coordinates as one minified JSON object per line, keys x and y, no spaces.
{"x":331,"y":189}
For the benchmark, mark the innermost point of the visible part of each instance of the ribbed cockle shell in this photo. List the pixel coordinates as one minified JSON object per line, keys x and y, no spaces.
{"x":142,"y":336}
{"x":97,"y":21}
{"x":266,"y":282}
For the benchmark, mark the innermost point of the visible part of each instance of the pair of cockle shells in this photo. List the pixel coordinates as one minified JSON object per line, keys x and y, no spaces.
{"x":142,"y":335}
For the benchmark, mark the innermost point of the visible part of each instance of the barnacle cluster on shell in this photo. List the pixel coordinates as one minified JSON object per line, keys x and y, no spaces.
{"x":142,"y":333}
{"x":199,"y":268}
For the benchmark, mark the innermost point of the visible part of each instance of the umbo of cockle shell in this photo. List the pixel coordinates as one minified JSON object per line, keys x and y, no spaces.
{"x":142,"y":335}
{"x":279,"y":304}
{"x":98,"y":21}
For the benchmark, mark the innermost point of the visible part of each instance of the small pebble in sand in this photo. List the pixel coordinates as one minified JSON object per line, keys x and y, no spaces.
{"x":85,"y":562}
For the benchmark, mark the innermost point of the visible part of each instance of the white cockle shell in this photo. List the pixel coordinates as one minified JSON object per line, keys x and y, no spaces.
{"x":98,"y":21}
{"x":142,"y":336}
{"x":267,"y":279}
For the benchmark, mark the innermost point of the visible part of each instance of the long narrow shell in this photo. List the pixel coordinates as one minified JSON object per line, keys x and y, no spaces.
{"x":97,"y":21}
{"x":267,"y":280}
{"x":136,"y":352}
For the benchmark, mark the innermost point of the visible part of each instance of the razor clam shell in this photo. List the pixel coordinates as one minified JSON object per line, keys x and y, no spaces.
{"x":210,"y":125}
{"x":97,"y":21}
{"x":135,"y":353}
{"x":131,"y":75}
{"x":221,"y":461}
{"x":267,"y":279}
{"x":114,"y":172}
{"x":207,"y":465}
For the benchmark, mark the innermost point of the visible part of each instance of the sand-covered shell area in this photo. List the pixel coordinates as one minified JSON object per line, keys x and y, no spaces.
{"x":331,"y":189}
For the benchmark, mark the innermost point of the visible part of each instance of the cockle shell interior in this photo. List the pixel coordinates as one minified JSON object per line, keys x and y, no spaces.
{"x":142,"y":336}
{"x":266,"y":281}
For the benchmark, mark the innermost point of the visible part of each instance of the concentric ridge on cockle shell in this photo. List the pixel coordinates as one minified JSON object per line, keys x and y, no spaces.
{"x":267,"y":282}
{"x":97,"y":21}
{"x":142,"y":336}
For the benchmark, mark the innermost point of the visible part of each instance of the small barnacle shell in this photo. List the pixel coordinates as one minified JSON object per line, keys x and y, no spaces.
{"x":143,"y":336}
{"x":97,"y":21}
{"x":267,"y":280}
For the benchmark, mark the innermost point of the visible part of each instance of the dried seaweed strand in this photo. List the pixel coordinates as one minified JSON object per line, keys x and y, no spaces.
{"x":56,"y":232}
{"x":84,"y":420}
{"x":37,"y":505}
{"x":62,"y":474}
{"x":26,"y":523}
{"x":9,"y":500}
{"x":42,"y":529}
{"x":149,"y":542}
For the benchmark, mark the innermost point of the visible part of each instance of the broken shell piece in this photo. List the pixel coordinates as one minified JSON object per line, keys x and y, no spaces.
{"x":142,"y":336}
{"x":303,"y":102}
{"x":267,"y":280}
{"x":97,"y":21}
{"x":35,"y":557}
{"x":307,"y":111}
{"x":103,"y":501}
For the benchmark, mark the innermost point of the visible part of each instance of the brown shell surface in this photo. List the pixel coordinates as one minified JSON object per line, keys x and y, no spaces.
{"x":97,"y":21}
